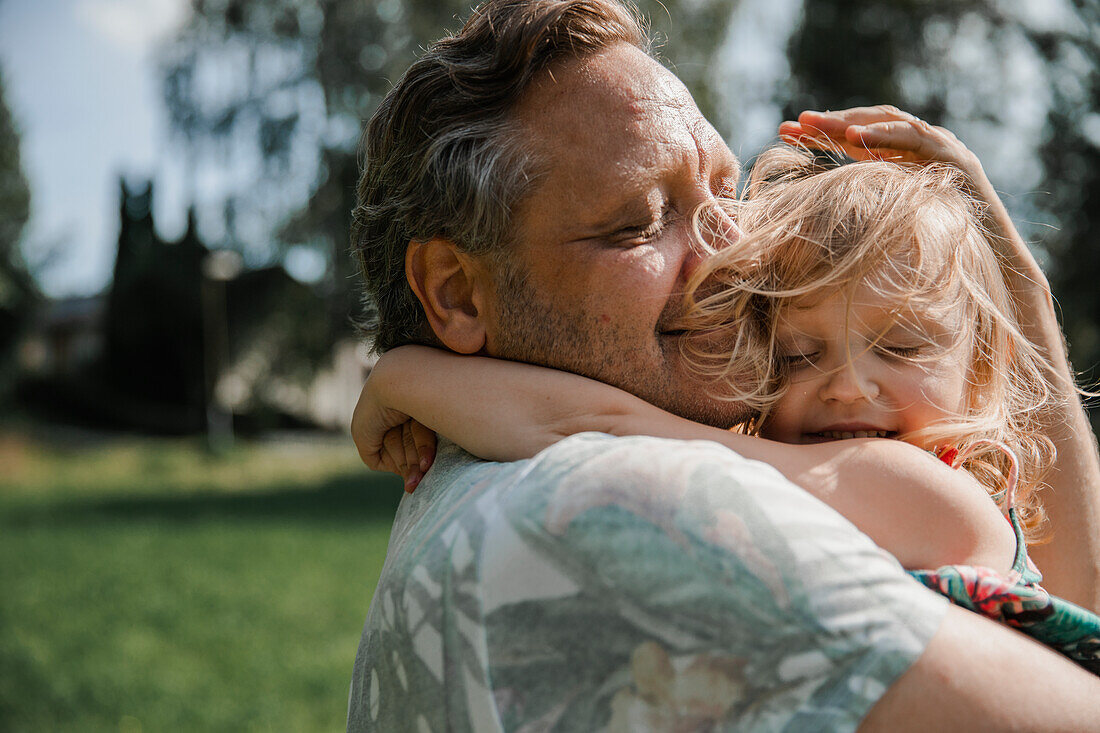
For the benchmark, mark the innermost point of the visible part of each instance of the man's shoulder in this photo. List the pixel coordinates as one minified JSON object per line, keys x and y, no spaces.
{"x":652,"y":447}
{"x":644,"y":446}
{"x":692,"y":480}
{"x":658,"y":471}
{"x":636,"y":459}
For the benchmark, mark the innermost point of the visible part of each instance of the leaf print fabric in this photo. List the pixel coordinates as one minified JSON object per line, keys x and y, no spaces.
{"x":629,"y":584}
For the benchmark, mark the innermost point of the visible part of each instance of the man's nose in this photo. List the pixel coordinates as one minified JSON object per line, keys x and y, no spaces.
{"x":693,"y":257}
{"x":716,"y":226}
{"x":712,"y":229}
{"x":849,"y":383}
{"x":725,"y":226}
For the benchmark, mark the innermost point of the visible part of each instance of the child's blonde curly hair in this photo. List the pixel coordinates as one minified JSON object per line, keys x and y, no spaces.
{"x":913,"y":235}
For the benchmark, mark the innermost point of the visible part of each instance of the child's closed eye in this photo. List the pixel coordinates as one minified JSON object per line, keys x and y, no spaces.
{"x":797,"y":360}
{"x":902,"y":352}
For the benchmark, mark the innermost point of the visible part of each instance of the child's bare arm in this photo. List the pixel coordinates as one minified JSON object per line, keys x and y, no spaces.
{"x":498,"y":410}
{"x":923,"y":512}
{"x":1071,"y":561}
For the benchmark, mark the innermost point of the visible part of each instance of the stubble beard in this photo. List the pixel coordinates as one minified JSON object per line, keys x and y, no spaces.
{"x":534,"y":331}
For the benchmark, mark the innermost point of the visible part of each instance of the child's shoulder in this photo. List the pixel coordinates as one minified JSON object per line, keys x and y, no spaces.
{"x":934,"y":515}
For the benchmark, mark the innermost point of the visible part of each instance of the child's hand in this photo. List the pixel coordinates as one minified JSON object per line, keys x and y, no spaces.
{"x":882,"y":132}
{"x":408,"y":450}
{"x":387,"y":439}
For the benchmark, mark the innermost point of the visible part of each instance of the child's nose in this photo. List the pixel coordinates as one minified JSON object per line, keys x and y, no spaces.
{"x":849,"y":383}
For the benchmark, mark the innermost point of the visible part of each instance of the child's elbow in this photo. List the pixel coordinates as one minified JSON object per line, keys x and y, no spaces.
{"x":951,"y":519}
{"x":971,"y":531}
{"x":978,"y":543}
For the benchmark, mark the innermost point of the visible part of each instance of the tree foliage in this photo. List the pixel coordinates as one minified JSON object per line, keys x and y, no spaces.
{"x":153,"y":329}
{"x":17,"y":290}
{"x":1071,"y":164}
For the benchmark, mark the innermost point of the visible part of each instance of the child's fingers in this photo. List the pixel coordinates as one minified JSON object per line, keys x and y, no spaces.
{"x":393,"y":448}
{"x":793,"y":134}
{"x":826,"y":130}
{"x":886,"y":131}
{"x":425,"y":445}
{"x":384,"y":463}
{"x":381,"y":461}
{"x":411,"y":457}
{"x":923,"y":140}
{"x":375,"y":461}
{"x":859,"y":131}
{"x":833,"y":124}
{"x":799,"y":135}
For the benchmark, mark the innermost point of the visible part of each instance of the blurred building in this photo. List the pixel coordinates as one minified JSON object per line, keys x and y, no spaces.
{"x":65,"y":339}
{"x":167,"y":341}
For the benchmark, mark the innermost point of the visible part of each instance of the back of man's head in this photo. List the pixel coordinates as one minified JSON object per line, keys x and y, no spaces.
{"x":443,"y":154}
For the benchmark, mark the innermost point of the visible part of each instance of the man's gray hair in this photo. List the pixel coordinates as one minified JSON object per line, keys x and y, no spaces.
{"x":444,"y":156}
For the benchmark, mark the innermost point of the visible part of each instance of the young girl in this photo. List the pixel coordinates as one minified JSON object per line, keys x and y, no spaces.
{"x":867,"y":302}
{"x":864,"y":302}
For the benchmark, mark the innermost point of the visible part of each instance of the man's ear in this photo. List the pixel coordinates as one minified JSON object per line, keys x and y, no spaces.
{"x":453,"y":288}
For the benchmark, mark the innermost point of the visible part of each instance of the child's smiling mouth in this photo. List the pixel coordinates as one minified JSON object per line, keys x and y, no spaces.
{"x":846,"y":435}
{"x":847,"y":432}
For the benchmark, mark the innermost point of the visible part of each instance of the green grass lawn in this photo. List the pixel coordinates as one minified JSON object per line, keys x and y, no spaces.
{"x":146,"y":586}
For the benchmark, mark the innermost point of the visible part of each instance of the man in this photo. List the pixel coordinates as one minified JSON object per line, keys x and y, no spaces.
{"x":526,"y":195}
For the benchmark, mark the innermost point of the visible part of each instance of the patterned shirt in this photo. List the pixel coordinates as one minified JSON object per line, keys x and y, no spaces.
{"x":629,"y":584}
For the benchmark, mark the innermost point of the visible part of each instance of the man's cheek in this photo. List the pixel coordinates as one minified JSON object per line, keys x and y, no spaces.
{"x":654,"y":268}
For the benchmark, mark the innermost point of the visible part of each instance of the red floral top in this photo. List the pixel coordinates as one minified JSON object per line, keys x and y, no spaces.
{"x":1017,"y":599}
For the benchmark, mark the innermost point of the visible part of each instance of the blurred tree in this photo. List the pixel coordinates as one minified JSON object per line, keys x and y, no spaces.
{"x":950,"y":61}
{"x":282,"y":87}
{"x":153,"y":356}
{"x":17,"y":291}
{"x":175,"y":329}
{"x":1071,"y":163}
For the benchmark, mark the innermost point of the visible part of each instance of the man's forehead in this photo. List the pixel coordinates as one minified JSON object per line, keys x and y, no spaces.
{"x":616,"y":91}
{"x":621,"y":70}
{"x":615,"y":119}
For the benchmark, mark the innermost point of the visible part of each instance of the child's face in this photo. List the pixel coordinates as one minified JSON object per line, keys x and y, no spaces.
{"x":865,"y":370}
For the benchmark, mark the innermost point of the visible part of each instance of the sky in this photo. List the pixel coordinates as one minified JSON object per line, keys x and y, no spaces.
{"x":82,"y":84}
